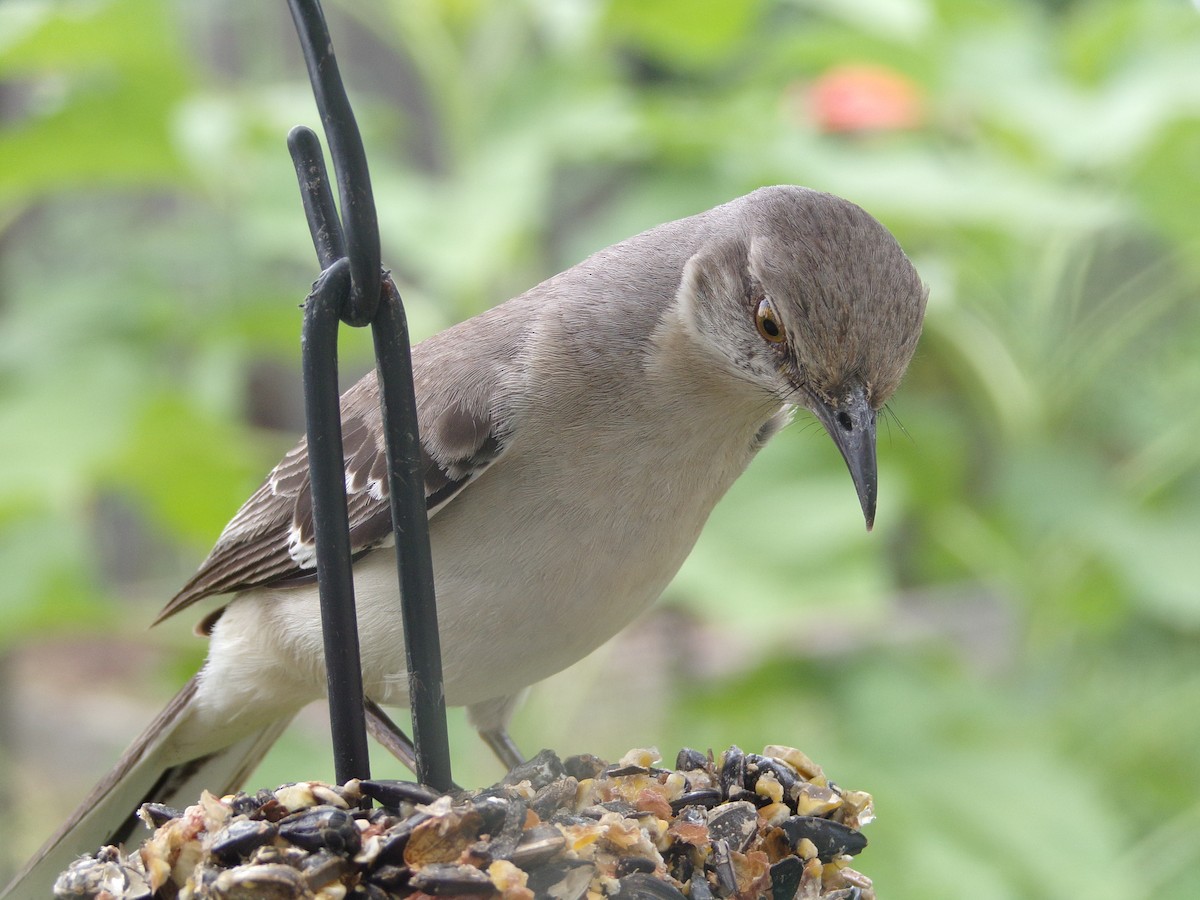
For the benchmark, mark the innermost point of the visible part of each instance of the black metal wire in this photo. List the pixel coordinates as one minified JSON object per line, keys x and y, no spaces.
{"x":410,"y":524}
{"x":350,"y":161}
{"x":342,"y":292}
{"x":322,"y":410}
{"x":319,"y":208}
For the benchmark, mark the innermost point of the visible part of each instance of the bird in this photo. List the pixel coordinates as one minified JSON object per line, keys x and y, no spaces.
{"x":575,"y":440}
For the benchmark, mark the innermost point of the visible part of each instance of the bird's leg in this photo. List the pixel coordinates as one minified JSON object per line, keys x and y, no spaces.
{"x":503,"y":746}
{"x":392,"y":738}
{"x":490,"y":718}
{"x":389,"y":735}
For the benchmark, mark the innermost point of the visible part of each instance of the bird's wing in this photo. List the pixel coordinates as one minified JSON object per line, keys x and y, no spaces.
{"x":464,"y":430}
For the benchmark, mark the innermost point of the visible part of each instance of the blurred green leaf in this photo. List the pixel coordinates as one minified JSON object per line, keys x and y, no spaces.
{"x":48,"y":585}
{"x":104,"y":99}
{"x":768,"y":556}
{"x":191,"y":470}
{"x":678,"y":32}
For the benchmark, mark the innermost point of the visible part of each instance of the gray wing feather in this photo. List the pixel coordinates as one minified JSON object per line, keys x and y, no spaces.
{"x":466,"y":405}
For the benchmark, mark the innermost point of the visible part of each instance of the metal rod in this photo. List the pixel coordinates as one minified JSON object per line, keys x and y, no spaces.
{"x":349,"y":161}
{"x":319,"y":208}
{"x":347,"y":719}
{"x":351,"y":287}
{"x":410,"y":523}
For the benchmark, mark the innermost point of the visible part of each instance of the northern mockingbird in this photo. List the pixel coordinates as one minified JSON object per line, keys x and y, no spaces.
{"x":577,"y":438}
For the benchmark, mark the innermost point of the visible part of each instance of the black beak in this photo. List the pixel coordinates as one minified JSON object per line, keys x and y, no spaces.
{"x":850,"y":421}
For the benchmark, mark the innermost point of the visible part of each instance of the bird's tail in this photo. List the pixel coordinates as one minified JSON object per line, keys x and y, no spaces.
{"x":150,"y":770}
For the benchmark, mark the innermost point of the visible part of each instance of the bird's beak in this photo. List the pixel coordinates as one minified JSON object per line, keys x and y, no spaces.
{"x":850,"y":421}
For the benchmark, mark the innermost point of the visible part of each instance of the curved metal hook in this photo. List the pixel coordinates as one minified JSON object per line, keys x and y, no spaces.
{"x":359,"y":222}
{"x":319,"y":208}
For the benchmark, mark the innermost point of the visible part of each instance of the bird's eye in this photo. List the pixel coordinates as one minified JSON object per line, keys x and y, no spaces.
{"x":768,"y":322}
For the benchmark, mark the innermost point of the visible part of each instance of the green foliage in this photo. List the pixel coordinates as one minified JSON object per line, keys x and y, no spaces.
{"x":1008,"y":662}
{"x":103,"y":95}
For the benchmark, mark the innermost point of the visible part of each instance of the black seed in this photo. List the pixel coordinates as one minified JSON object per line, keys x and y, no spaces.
{"x":733,"y":772}
{"x":393,"y":843}
{"x":721,"y":864}
{"x":322,"y":826}
{"x":493,"y":810}
{"x":756,"y":765}
{"x":830,"y":838}
{"x":538,"y":845}
{"x":700,"y":889}
{"x":506,"y":838}
{"x":391,"y":878}
{"x":241,"y":836}
{"x":539,"y":771}
{"x":450,"y":879}
{"x":584,"y":765}
{"x":392,"y":793}
{"x":627,"y":865}
{"x":785,"y":877}
{"x":566,"y":879}
{"x":554,"y":797}
{"x":757,"y":800}
{"x":324,"y":867}
{"x":641,"y":886}
{"x":734,"y":823}
{"x":619,"y":771}
{"x":708,"y":797}
{"x":690,"y":760}
{"x":369,"y":891}
{"x":678,"y":858}
{"x":159,"y":814}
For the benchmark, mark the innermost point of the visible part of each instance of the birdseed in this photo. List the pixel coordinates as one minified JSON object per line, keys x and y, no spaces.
{"x":744,"y":825}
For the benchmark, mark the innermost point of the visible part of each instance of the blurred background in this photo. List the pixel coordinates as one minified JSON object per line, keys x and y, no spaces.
{"x":1009,"y":663}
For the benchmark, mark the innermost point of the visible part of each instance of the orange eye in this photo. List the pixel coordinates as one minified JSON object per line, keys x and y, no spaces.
{"x":768,"y":322}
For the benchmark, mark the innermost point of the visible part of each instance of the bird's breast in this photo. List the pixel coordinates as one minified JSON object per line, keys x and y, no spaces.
{"x":553,"y":551}
{"x":557,"y":546}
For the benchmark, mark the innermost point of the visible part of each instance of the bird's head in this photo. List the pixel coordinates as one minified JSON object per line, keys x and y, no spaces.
{"x":807,"y":297}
